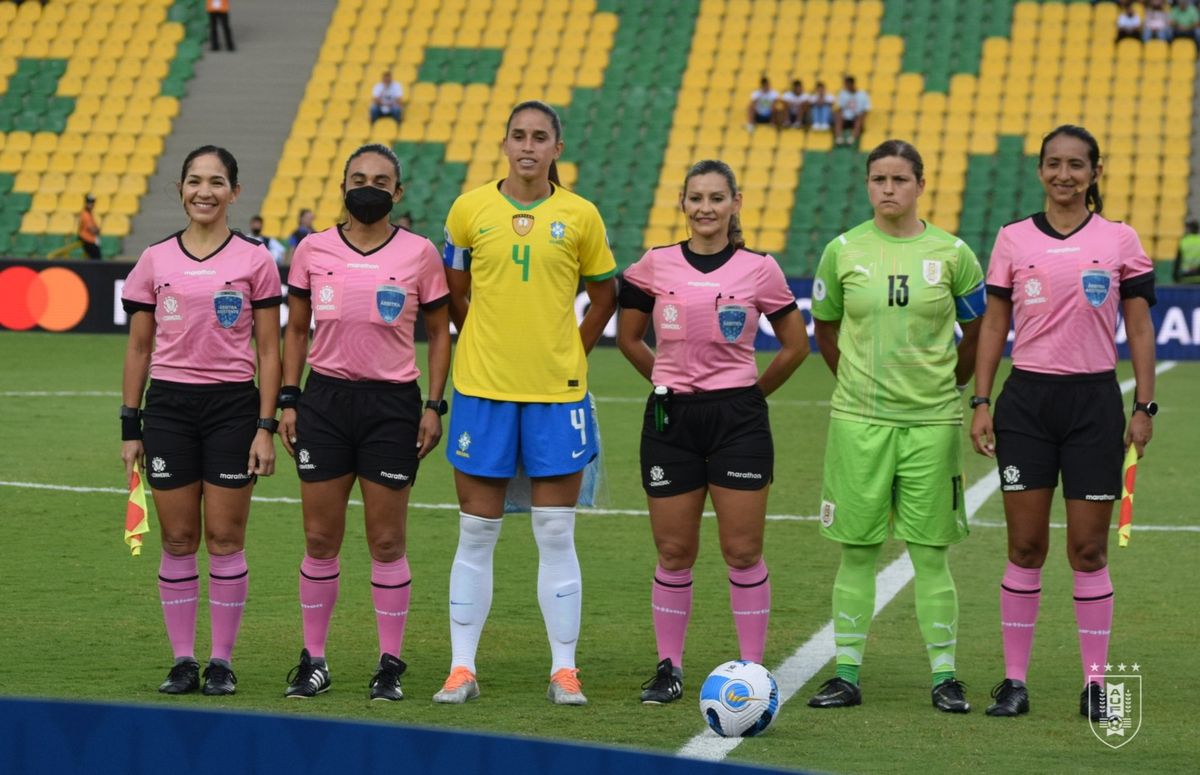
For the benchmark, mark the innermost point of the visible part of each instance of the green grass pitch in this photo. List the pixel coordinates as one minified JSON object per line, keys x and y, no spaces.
{"x":80,"y":618}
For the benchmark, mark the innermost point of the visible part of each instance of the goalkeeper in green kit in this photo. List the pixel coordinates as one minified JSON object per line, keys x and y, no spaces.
{"x":885,"y":299}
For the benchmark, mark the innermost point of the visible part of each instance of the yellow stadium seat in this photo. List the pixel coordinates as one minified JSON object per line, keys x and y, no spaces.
{"x":34,"y":222}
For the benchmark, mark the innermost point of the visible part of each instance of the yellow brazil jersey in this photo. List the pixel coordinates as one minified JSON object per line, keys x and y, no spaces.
{"x":520,"y":341}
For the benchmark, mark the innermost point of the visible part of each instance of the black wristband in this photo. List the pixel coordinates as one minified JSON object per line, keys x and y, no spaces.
{"x":131,"y":429}
{"x":289,"y":396}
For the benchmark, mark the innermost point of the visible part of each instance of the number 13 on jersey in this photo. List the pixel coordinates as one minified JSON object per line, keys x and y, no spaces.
{"x":521,"y":258}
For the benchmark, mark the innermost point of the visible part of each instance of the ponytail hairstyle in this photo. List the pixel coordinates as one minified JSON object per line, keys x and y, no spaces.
{"x":555,"y":122}
{"x":1092,"y":199}
{"x":380,"y":149}
{"x":230,"y":163}
{"x":706,"y":166}
{"x":902,"y":149}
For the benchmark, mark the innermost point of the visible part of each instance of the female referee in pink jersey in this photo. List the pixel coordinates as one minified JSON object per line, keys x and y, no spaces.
{"x":706,"y":430}
{"x":361,"y":415}
{"x":194,"y":302}
{"x":1059,"y":277}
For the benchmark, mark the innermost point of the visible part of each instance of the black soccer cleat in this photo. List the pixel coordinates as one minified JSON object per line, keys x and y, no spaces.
{"x":219,"y":679}
{"x":1092,"y":704}
{"x":183,"y":678}
{"x":948,"y":697}
{"x":666,"y":685}
{"x":307,"y":679}
{"x":1010,"y":698}
{"x":385,"y":685}
{"x":837,"y":692}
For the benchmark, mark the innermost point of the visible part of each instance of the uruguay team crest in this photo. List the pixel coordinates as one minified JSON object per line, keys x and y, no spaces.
{"x":522,"y":223}
{"x":1120,"y":707}
{"x":932,"y":271}
{"x":228,"y":306}
{"x":732,"y":320}
{"x":1096,"y":283}
{"x":389,"y":302}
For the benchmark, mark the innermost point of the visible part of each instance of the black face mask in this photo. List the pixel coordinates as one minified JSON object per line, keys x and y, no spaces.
{"x":368,"y":204}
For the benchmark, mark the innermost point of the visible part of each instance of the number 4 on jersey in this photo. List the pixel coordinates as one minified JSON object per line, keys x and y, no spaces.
{"x":522,"y":261}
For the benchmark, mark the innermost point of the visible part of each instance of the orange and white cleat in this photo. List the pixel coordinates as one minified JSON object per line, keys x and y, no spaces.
{"x":565,"y":688}
{"x":460,"y":687}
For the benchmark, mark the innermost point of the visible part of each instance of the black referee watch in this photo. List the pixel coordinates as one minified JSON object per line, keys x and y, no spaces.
{"x":440,"y":406}
{"x":268,"y":424}
{"x":1149,"y":407}
{"x":130,"y":412}
{"x":977,"y":401}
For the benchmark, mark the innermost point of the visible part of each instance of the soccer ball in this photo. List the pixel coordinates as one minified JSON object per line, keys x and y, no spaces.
{"x":739,"y":699}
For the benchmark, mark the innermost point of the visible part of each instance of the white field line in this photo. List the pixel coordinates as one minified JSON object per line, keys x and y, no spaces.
{"x":813,"y":654}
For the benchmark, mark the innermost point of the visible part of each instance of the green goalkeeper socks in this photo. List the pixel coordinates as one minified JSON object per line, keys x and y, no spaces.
{"x":853,"y":606}
{"x":937,"y":607}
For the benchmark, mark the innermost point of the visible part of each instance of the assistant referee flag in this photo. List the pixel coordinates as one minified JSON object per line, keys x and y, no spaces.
{"x":136,"y":521}
{"x":1125,"y":524}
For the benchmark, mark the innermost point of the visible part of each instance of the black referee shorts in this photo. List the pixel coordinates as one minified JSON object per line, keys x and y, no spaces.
{"x":720,"y":437}
{"x":1073,"y":423}
{"x":362,"y":427}
{"x":194,"y":432}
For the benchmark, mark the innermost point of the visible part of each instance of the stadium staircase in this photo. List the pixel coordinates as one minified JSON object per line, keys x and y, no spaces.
{"x":244,"y":101}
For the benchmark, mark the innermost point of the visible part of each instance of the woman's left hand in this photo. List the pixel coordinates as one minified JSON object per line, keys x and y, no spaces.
{"x":262,"y":454}
{"x":1141,"y":428}
{"x":429,"y":432}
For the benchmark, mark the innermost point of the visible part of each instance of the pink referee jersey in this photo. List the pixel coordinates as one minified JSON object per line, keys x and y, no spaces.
{"x":203,"y":307}
{"x":365,"y":304}
{"x":705,"y":321}
{"x":1065,"y":290}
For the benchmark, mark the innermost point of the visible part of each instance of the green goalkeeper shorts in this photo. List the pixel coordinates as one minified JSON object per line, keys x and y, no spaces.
{"x":907,"y":479}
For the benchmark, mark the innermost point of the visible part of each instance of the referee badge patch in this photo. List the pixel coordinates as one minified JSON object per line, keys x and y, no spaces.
{"x":389,"y":302}
{"x":732,"y":319}
{"x":228,"y":306}
{"x":522,"y":224}
{"x":1096,"y":283}
{"x":827,"y":509}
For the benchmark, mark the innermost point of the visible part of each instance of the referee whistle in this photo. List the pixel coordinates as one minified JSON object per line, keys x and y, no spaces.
{"x":661,"y":394}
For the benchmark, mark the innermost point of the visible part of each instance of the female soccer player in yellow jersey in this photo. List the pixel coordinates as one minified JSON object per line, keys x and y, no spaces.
{"x":516,"y":249}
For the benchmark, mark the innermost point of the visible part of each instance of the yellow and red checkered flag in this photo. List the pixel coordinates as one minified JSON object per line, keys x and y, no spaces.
{"x":137,"y":523}
{"x":1125,"y":524}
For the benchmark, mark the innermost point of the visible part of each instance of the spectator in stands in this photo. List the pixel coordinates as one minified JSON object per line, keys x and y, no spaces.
{"x":277,"y":248}
{"x":853,"y":106}
{"x":796,"y":104}
{"x":765,"y":106}
{"x":218,"y":13}
{"x":303,"y":228}
{"x":1185,"y":21}
{"x":1187,"y":260}
{"x":1129,"y":22}
{"x":1158,"y":21}
{"x":387,"y":99}
{"x":820,"y":108}
{"x":89,"y":230}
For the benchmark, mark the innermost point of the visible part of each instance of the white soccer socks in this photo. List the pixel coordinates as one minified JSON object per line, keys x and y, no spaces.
{"x":471,"y":586}
{"x":560,"y":586}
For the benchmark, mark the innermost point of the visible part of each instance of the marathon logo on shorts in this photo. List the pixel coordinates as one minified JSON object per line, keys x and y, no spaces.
{"x":237,"y":477}
{"x":1096,"y":283}
{"x":390,"y":475}
{"x":1100,"y":497}
{"x":744,"y":475}
{"x":158,"y":469}
{"x":389,"y":301}
{"x":732,"y":319}
{"x":228,"y":306}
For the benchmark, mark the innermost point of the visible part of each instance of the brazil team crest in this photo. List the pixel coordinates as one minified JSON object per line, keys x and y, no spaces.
{"x":732,"y":320}
{"x":1096,"y":283}
{"x":228,"y":306}
{"x":558,"y":230}
{"x":1120,"y":705}
{"x":522,"y":224}
{"x":389,"y":302}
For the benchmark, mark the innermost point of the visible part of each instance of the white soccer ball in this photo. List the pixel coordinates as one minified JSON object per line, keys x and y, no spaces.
{"x":739,"y":699}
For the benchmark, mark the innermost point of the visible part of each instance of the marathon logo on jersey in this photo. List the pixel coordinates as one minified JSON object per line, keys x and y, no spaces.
{"x":1096,"y":283}
{"x":932,"y":271}
{"x":522,"y":224}
{"x":389,"y":302}
{"x":228,"y":306}
{"x":732,"y":319}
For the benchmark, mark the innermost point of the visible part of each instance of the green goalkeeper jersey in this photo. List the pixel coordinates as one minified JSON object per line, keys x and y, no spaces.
{"x":897,"y":300}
